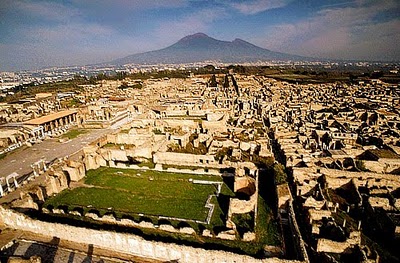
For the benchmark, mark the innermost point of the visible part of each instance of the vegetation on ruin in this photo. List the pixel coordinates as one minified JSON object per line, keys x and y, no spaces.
{"x":220,"y":155}
{"x":361,"y":165}
{"x":27,"y":90}
{"x":143,"y":195}
{"x":147,"y":163}
{"x":135,"y":86}
{"x":158,"y":132}
{"x":189,"y":148}
{"x":71,"y":103}
{"x":72,"y":134}
{"x":3,"y":155}
{"x":267,"y":227}
{"x":139,"y":191}
{"x":244,"y":222}
{"x":118,"y":146}
{"x":280,"y":174}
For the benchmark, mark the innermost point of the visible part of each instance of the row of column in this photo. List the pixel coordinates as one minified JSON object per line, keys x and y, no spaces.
{"x":50,"y":126}
{"x":8,"y":177}
{"x":37,"y":167}
{"x":38,"y":133}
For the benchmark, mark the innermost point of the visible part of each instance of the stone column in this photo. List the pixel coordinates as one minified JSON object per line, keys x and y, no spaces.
{"x":8,"y":185}
{"x":1,"y":191}
{"x":15,"y":182}
{"x":34,"y":170}
{"x":44,"y":165}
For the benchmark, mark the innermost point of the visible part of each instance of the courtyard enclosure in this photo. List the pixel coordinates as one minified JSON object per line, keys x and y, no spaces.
{"x":146,"y":192}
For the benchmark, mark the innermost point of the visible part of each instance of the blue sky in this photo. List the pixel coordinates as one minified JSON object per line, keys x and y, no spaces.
{"x":36,"y":34}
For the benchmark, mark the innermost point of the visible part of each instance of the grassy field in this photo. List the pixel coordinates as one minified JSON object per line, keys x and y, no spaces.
{"x":132,"y":192}
{"x":151,"y":193}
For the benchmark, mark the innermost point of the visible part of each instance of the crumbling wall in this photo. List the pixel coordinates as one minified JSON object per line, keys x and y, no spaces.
{"x":124,"y":243}
{"x":283,"y":194}
{"x":382,"y":166}
{"x":298,"y":241}
{"x":219,"y":126}
{"x":76,"y":170}
{"x":374,"y":166}
{"x":117,"y":155}
{"x":330,"y":246}
{"x":237,"y":206}
{"x":55,"y":182}
{"x":145,"y":152}
{"x":244,"y":184}
{"x":183,"y":159}
{"x":133,"y":139}
{"x":25,"y":201}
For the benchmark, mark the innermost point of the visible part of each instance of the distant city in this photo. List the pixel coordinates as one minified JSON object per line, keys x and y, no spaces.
{"x":10,"y":80}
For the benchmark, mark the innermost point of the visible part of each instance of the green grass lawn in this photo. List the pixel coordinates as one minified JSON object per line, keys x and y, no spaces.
{"x":151,"y":193}
{"x":72,"y":134}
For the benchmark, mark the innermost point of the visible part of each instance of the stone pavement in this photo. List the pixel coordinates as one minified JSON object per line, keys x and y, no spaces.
{"x":21,"y":159}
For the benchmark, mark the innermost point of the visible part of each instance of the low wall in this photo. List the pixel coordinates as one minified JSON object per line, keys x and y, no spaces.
{"x":124,"y":243}
{"x":382,"y":166}
{"x":297,"y":239}
{"x":330,"y":246}
{"x":172,"y":158}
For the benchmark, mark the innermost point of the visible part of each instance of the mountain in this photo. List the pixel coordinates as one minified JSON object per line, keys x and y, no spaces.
{"x":200,"y":47}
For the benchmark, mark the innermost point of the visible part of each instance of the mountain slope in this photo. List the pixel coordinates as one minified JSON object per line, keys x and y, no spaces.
{"x":200,"y":47}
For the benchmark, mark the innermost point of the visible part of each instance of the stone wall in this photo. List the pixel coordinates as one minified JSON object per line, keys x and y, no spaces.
{"x":75,"y":170}
{"x":125,"y":138}
{"x":330,"y":246}
{"x":237,"y":206}
{"x":383,"y":166}
{"x":124,"y":243}
{"x":183,"y":159}
{"x":219,"y":126}
{"x":184,"y":124}
{"x":297,"y":238}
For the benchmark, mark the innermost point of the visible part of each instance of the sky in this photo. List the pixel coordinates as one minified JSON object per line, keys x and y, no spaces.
{"x":35,"y":34}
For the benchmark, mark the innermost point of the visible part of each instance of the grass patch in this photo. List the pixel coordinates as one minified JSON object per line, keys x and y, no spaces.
{"x":130,"y":202}
{"x":3,"y":155}
{"x":266,"y":229}
{"x":131,"y":192}
{"x":72,"y":134}
{"x":244,"y":222}
{"x":152,"y":193}
{"x":118,"y":146}
{"x":148,"y":163}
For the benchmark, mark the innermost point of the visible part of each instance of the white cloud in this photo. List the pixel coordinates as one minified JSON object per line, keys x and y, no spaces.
{"x":342,"y":33}
{"x":258,"y":6}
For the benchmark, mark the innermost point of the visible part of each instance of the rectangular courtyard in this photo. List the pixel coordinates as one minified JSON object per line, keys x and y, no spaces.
{"x":147,"y":192}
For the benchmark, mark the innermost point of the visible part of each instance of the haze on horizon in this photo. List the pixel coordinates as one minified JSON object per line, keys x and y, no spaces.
{"x":36,"y":34}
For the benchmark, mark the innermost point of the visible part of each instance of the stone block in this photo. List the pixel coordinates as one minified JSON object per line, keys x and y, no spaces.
{"x":249,"y":236}
{"x":187,"y":230}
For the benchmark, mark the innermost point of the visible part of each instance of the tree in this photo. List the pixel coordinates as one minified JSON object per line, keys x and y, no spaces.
{"x":213,"y":81}
{"x":280,"y":174}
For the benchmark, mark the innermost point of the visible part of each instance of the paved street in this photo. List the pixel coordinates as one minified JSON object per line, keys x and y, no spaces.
{"x":21,"y":159}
